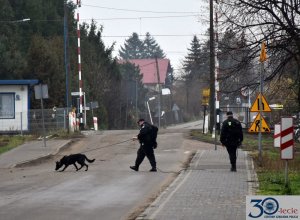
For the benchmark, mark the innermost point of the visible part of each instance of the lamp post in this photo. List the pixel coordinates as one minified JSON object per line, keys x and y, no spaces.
{"x":16,"y":21}
{"x":152,"y":98}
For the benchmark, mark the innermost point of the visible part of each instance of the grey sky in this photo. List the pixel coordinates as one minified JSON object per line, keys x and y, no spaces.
{"x":121,"y":18}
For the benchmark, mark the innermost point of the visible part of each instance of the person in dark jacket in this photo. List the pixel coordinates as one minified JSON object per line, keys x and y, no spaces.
{"x":231,"y":137}
{"x":146,"y":146}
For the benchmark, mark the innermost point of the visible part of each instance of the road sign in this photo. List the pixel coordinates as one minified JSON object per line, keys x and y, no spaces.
{"x":276,"y":106}
{"x":287,"y":141}
{"x":263,"y":52}
{"x":255,"y":126}
{"x":256,"y":106}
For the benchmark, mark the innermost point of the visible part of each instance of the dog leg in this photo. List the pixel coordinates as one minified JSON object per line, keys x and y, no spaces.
{"x":87,"y":167}
{"x":76,"y":166}
{"x":64,"y":168}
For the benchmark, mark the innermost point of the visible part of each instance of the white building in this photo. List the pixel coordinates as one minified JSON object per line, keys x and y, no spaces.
{"x":15,"y":105}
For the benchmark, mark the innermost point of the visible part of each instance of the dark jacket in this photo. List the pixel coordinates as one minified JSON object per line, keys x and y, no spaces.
{"x":145,"y":136}
{"x":231,"y":132}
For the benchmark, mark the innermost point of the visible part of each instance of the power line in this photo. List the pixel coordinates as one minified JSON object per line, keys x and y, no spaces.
{"x":131,"y":10}
{"x":156,"y":35}
{"x":146,"y":17}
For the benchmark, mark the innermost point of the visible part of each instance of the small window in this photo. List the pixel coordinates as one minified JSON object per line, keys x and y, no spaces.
{"x":7,"y":105}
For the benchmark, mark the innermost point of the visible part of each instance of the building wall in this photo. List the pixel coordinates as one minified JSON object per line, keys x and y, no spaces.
{"x":20,"y":118}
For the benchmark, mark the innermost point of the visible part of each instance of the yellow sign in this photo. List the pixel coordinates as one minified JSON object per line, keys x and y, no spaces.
{"x":263,"y":53}
{"x":205,"y":93}
{"x":256,"y":127}
{"x":256,"y":104}
{"x":205,"y":96}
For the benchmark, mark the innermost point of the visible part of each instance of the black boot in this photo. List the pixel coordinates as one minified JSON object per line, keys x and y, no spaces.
{"x":153,"y":169}
{"x":135,"y":168}
{"x":233,"y":168}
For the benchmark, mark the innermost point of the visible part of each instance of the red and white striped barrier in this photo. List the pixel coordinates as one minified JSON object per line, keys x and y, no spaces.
{"x":287,"y":138}
{"x":79,"y":63}
{"x":95,"y":120}
{"x":72,"y":121}
{"x":277,"y":136}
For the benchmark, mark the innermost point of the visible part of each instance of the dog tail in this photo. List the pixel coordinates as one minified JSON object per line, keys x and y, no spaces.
{"x":89,"y":160}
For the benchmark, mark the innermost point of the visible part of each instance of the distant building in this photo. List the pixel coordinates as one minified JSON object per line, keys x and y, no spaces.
{"x":15,"y":105}
{"x":150,"y":71}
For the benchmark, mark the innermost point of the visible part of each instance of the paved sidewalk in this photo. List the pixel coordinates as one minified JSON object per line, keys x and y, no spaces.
{"x":207,"y":190}
{"x":31,"y":151}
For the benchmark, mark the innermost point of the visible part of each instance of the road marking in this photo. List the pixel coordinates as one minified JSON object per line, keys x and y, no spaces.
{"x":175,"y":190}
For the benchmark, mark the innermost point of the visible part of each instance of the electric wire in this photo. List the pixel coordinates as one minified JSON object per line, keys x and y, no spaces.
{"x":140,"y":11}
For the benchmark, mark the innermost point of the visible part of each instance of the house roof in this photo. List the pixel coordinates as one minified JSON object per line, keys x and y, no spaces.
{"x":20,"y":82}
{"x":149,"y":70}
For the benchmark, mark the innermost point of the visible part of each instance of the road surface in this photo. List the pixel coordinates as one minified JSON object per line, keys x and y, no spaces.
{"x":109,"y":190}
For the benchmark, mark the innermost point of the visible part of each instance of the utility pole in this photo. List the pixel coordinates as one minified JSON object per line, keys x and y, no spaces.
{"x":159,"y":91}
{"x":212,"y":110}
{"x":66,"y":62}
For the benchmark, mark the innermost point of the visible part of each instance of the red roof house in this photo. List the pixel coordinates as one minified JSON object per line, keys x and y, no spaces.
{"x":149,"y":70}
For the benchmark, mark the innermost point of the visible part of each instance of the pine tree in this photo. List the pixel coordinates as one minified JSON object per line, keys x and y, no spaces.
{"x":152,"y":49}
{"x":193,"y":61}
{"x":133,"y":48}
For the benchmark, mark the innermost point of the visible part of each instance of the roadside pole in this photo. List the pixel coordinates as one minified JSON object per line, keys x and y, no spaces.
{"x":262,"y":59}
{"x":41,"y":92}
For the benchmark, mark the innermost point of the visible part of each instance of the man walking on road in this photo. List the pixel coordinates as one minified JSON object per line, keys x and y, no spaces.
{"x":231,"y":137}
{"x":147,"y":143}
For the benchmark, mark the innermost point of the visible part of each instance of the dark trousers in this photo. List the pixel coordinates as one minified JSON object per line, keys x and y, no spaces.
{"x":145,"y":151}
{"x":232,"y":155}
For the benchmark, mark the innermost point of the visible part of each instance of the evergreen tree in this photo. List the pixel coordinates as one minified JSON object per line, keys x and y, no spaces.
{"x":11,"y":59}
{"x":132,"y":94}
{"x":133,"y":48}
{"x":195,"y":75}
{"x":101,"y":75}
{"x":151,"y":48}
{"x":193,"y":61}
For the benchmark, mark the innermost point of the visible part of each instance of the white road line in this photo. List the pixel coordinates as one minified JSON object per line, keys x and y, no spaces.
{"x":175,"y":190}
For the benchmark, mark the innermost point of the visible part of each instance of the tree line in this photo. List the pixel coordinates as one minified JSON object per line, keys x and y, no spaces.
{"x":45,"y":48}
{"x":35,"y":50}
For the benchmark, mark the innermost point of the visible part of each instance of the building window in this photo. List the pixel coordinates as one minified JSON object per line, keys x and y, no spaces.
{"x":7,"y":105}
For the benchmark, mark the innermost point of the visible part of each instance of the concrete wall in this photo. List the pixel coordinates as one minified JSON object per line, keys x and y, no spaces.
{"x":21,"y":108}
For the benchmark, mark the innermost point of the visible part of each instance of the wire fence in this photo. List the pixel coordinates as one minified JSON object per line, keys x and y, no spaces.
{"x":32,"y":122}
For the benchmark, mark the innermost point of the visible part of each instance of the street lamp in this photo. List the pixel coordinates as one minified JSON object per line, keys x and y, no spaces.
{"x":152,"y":98}
{"x":17,"y":21}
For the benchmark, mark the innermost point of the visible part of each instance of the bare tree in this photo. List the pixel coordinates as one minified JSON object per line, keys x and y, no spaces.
{"x":274,"y":21}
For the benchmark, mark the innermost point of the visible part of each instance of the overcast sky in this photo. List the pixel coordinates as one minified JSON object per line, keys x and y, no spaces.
{"x":172,"y":23}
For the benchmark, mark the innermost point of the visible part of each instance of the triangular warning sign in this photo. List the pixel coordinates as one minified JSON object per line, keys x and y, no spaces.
{"x":255,"y":126}
{"x":256,"y":104}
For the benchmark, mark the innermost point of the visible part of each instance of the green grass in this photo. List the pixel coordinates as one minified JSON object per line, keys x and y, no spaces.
{"x":270,"y":170}
{"x":9,"y":142}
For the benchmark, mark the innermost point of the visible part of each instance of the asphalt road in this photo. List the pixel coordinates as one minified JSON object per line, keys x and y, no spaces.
{"x":108,"y":191}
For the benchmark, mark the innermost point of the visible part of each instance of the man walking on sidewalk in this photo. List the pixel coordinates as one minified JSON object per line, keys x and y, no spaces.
{"x":231,"y":137}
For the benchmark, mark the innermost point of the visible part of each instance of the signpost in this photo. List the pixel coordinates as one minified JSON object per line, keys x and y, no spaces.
{"x":205,"y":101}
{"x":260,"y":105}
{"x":41,"y":92}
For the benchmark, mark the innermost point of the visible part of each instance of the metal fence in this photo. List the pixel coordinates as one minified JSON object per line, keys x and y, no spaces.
{"x":32,"y":122}
{"x":53,"y":120}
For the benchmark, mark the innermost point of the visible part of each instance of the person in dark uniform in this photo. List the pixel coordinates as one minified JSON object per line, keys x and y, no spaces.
{"x":146,"y":146}
{"x":231,"y":137}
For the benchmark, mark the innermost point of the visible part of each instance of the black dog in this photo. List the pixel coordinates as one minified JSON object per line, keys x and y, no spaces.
{"x":72,"y":159}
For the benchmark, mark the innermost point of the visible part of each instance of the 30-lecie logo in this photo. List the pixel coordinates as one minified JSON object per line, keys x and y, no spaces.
{"x":279,"y":207}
